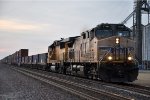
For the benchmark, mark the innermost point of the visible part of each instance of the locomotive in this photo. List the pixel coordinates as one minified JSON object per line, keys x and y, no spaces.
{"x":105,"y":52}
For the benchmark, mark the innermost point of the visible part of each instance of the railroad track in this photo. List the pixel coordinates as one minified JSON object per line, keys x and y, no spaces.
{"x":124,"y":86}
{"x":127,"y":87}
{"x":141,"y":90}
{"x":81,"y":90}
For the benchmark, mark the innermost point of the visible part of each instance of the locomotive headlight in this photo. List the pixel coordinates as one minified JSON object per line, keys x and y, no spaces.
{"x":109,"y":57}
{"x":129,"y":58}
{"x":117,"y":40}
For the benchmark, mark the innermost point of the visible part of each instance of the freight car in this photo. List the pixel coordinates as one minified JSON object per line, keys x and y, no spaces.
{"x":105,"y":52}
{"x":20,"y":56}
{"x":38,"y":61}
{"x":42,"y":61}
{"x":16,"y":58}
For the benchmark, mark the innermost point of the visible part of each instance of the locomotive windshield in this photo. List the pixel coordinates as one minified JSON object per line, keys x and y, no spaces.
{"x":123,"y":33}
{"x":103,"y":33}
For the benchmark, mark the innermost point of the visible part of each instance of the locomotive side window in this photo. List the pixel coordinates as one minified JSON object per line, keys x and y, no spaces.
{"x":62,"y":45}
{"x":88,"y":34}
{"x":103,"y":33}
{"x":91,"y":34}
{"x":84,"y":36}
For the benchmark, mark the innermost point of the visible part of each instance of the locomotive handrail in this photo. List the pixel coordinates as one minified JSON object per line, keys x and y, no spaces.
{"x":135,"y":57}
{"x":107,"y":53}
{"x":104,"y":55}
{"x":136,"y":60}
{"x":98,"y":65}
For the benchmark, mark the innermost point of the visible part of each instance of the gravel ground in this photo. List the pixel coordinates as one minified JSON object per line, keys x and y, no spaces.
{"x":16,"y":86}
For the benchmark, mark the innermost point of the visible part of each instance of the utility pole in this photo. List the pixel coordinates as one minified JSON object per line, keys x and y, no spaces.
{"x":141,"y":7}
{"x":138,"y":31}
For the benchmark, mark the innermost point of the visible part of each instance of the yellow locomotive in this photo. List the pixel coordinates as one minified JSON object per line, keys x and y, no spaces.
{"x":105,"y":52}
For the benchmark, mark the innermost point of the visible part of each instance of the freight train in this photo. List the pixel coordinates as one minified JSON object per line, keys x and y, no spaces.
{"x":105,"y":52}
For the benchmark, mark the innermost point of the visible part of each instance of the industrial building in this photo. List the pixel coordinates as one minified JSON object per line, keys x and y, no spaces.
{"x":146,"y":47}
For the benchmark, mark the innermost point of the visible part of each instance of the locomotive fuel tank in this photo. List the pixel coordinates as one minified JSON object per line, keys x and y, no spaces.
{"x":53,"y":68}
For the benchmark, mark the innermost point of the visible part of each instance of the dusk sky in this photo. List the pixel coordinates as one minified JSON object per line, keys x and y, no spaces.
{"x":35,"y":24}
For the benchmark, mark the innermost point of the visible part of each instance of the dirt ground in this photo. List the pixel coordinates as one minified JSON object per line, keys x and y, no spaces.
{"x":143,"y":78}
